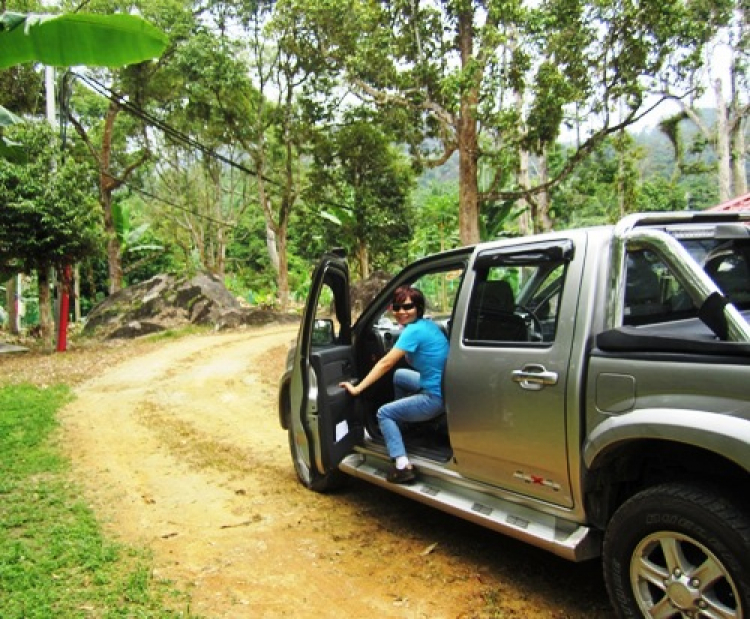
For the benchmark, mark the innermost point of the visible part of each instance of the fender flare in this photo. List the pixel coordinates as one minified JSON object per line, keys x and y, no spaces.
{"x":722,"y":434}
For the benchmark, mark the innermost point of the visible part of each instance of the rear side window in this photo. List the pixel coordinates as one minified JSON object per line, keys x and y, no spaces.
{"x":727,"y":265}
{"x":654,"y":295}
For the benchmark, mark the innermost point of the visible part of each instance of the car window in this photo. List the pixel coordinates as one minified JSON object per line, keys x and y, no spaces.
{"x":727,"y":265}
{"x":326,"y":326}
{"x":653,"y":294}
{"x":440,"y":289}
{"x":332,"y":318}
{"x":515,"y":303}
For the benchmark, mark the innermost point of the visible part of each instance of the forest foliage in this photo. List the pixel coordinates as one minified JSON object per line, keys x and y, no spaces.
{"x":270,"y":132}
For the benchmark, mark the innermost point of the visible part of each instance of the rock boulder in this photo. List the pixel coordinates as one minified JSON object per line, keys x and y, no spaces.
{"x":166,"y":302}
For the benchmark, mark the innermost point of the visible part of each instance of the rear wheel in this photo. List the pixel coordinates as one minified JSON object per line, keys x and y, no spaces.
{"x":679,"y":550}
{"x":309,"y":477}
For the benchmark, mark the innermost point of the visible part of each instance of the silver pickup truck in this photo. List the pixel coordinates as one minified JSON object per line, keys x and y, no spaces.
{"x":597,"y":397}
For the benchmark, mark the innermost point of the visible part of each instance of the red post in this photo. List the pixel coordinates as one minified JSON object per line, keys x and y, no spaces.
{"x":62,"y":332}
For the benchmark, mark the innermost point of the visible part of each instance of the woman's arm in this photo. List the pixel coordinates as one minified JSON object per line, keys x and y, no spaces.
{"x":381,"y":368}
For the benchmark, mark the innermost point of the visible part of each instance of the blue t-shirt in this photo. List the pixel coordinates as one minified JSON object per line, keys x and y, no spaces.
{"x":426,"y":349}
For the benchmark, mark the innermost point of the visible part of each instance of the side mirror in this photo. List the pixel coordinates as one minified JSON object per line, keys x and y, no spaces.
{"x":322,"y":333}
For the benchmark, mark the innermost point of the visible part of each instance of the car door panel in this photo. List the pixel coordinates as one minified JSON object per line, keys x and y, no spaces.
{"x":322,"y":413}
{"x":506,"y":400}
{"x":338,"y":429}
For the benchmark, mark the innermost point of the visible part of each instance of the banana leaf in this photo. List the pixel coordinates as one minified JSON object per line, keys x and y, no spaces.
{"x":78,"y":39}
{"x":8,"y":118}
{"x":8,"y":149}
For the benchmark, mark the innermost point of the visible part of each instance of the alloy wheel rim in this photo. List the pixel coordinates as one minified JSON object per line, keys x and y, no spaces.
{"x":674,"y":575}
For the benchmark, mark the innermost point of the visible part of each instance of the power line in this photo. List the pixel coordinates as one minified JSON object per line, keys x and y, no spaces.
{"x":107,"y":93}
{"x":185,"y":209}
{"x":179,"y":136}
{"x":175,"y":134}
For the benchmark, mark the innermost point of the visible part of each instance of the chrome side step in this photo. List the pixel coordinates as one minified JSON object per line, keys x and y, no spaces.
{"x":561,"y":537}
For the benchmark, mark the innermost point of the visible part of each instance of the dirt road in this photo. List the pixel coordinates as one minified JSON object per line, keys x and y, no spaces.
{"x":179,"y":449}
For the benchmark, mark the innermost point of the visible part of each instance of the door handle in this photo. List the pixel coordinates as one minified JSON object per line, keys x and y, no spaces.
{"x":534,"y":377}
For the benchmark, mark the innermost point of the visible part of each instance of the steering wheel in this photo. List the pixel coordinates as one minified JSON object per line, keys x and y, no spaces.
{"x":532,"y":320}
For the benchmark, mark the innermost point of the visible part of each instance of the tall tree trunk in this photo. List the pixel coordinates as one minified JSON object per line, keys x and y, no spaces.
{"x":276,"y":236}
{"x":276,"y":242}
{"x":273,"y":250}
{"x":107,"y":185}
{"x":218,"y":255}
{"x":620,"y":181}
{"x":363,"y":256}
{"x":726,"y":139}
{"x":468,"y":149}
{"x":723,"y":152}
{"x":114,"y":262}
{"x":77,"y":293}
{"x":545,"y":222}
{"x":221,"y":253}
{"x":526,"y":221}
{"x":291,"y":184}
{"x":739,"y":116}
{"x":739,"y":160}
{"x":13,"y":296}
{"x":46,"y":322}
{"x":283,"y":272}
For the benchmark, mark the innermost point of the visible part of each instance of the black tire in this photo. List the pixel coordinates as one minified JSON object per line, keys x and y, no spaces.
{"x":310,"y":478}
{"x":679,"y":550}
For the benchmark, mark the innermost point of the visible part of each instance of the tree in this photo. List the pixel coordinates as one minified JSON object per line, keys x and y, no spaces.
{"x":48,"y":218}
{"x":205,"y":200}
{"x":361,"y":183}
{"x":116,"y":164}
{"x":730,"y":92}
{"x":258,"y":104}
{"x":73,"y":40}
{"x":436,"y":219}
{"x":488,"y":80}
{"x":119,"y":143}
{"x":144,"y":255}
{"x":203,"y":170}
{"x":616,"y":180}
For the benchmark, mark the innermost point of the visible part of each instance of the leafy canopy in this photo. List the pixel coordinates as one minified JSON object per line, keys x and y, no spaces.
{"x":48,"y":215}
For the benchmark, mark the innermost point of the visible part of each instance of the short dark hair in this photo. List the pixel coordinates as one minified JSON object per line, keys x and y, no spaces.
{"x":415,"y":294}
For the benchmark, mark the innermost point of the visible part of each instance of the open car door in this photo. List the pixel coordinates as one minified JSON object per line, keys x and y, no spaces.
{"x":323,"y":425}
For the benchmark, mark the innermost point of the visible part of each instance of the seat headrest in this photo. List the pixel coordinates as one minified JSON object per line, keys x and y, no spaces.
{"x":497,"y":294}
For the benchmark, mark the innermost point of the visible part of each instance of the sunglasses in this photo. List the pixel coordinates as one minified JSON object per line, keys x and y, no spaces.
{"x":397,"y":307}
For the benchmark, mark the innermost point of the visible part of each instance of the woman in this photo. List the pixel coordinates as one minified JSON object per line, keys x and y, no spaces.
{"x":418,"y":393}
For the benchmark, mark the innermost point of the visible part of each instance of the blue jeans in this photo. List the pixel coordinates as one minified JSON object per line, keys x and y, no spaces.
{"x":411,"y":405}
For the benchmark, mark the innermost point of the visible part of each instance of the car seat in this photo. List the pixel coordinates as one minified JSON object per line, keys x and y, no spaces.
{"x":493,"y":316}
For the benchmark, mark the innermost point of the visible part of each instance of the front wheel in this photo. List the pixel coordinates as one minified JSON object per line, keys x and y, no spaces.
{"x":309,"y":477}
{"x":679,"y":550}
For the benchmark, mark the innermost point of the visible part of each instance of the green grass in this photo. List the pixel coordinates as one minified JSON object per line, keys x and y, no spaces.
{"x":171,"y":334}
{"x":54,"y":560}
